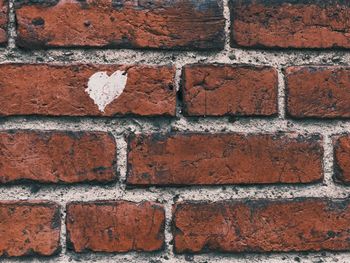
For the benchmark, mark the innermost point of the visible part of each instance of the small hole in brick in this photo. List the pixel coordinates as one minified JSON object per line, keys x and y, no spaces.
{"x":38,"y":21}
{"x":171,"y":86}
{"x":87,"y":23}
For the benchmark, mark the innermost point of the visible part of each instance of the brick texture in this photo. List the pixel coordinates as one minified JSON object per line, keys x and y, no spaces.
{"x":29,"y":228}
{"x":166,"y":127}
{"x":320,"y":92}
{"x":342,"y":158}
{"x":290,"y":23}
{"x":3,"y":21}
{"x":218,"y":90}
{"x":214,"y":159}
{"x":115,"y":226}
{"x":262,"y":226}
{"x":58,"y":90}
{"x":56,"y":157}
{"x":179,"y":24}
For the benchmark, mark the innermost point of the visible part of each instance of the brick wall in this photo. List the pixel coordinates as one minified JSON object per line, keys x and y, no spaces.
{"x":175,"y":131}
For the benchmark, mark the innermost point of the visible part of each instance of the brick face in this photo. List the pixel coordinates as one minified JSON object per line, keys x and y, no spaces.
{"x":3,"y":21}
{"x":290,"y":24}
{"x":145,"y":129}
{"x":320,"y":92}
{"x":179,"y":24}
{"x":56,"y":157}
{"x":58,"y":90}
{"x":115,"y":226}
{"x":262,"y":226}
{"x":218,"y":90}
{"x":215,"y":159}
{"x":29,"y":228}
{"x":342,"y":158}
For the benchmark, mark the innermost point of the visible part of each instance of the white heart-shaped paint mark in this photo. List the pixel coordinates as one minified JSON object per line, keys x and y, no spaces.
{"x":104,"y":89}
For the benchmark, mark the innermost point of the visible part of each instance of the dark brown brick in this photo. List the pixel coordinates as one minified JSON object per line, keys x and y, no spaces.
{"x":57,"y":157}
{"x":218,"y":90}
{"x":262,"y":226}
{"x":216,"y":159}
{"x":115,"y":226}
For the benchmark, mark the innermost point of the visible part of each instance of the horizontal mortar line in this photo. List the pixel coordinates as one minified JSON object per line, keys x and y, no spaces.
{"x":63,"y":194}
{"x":162,"y":124}
{"x":157,"y":57}
{"x":211,"y":257}
{"x":183,"y":52}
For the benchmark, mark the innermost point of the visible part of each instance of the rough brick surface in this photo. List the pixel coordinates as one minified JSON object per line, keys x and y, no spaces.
{"x":115,"y":226}
{"x":290,"y":23}
{"x":342,"y":158}
{"x":262,"y":226}
{"x":3,"y":21}
{"x":214,"y":159}
{"x":140,"y":24}
{"x":118,"y":110}
{"x":57,"y":90}
{"x":29,"y":228}
{"x":53,"y":157}
{"x":218,"y":90}
{"x":321,"y":92}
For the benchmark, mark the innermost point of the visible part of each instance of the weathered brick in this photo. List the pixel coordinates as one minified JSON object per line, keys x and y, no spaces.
{"x":29,"y":228}
{"x":3,"y":21}
{"x":262,"y":226}
{"x":218,"y":90}
{"x":291,"y":23}
{"x":59,"y":90}
{"x":119,"y":226}
{"x":56,"y":157}
{"x":342,"y":158}
{"x":163,"y":24}
{"x":215,"y":159}
{"x":321,"y":92}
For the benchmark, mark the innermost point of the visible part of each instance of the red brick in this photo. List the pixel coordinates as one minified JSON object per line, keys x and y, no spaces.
{"x":58,"y":90}
{"x":178,"y":24}
{"x":218,"y":90}
{"x":215,"y":159}
{"x":342,"y":158}
{"x":321,"y":92}
{"x":3,"y":21}
{"x":29,"y":228}
{"x":115,"y":226}
{"x":290,"y":23}
{"x":56,"y":157}
{"x":262,"y":226}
